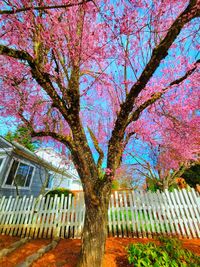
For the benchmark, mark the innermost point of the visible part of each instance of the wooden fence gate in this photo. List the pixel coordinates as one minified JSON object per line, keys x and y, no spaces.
{"x":130,"y":214}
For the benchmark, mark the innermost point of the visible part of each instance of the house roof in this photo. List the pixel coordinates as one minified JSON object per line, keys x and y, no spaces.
{"x":4,"y":143}
{"x":26,"y":153}
{"x":60,"y":160}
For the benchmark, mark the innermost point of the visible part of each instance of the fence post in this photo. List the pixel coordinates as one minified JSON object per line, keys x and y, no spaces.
{"x":58,"y":217}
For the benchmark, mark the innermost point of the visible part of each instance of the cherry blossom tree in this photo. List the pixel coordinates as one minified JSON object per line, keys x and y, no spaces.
{"x":124,"y":178}
{"x":158,"y":176}
{"x":81,"y":71}
{"x":171,"y":150}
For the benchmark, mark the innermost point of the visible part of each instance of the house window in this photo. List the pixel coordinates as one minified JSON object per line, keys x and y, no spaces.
{"x":50,"y":181}
{"x":20,"y":174}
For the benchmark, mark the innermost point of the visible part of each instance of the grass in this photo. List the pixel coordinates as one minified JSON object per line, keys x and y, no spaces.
{"x":138,"y":221}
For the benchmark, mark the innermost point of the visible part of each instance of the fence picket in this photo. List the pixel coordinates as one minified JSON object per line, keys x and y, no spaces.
{"x":140,"y":214}
{"x":192,"y":216}
{"x":133,"y":230}
{"x":72,"y":221}
{"x":154,"y":212}
{"x":163,"y":211}
{"x":177,"y":210}
{"x":68,"y":215}
{"x":19,"y":214}
{"x":126,"y":210}
{"x":109,"y":221}
{"x":137,"y":215}
{"x":27,"y":212}
{"x":52,"y":226}
{"x":195,"y":203}
{"x":158,"y":213}
{"x":56,"y":229}
{"x":183,"y":217}
{"x":187,"y":218}
{"x":113,"y":215}
{"x":2,"y":199}
{"x":59,"y":216}
{"x":119,"y":225}
{"x":4,"y":213}
{"x":35,"y":221}
{"x":2,"y":203}
{"x":8,"y":217}
{"x":122,"y":217}
{"x":48,"y":228}
{"x":150,"y":213}
{"x":168,"y":215}
{"x":3,"y":210}
{"x":30,"y":221}
{"x":174,"y":216}
{"x":145,"y":213}
{"x":11,"y":221}
{"x":44,"y":209}
{"x":64,"y":214}
{"x":82,"y":212}
{"x":23,"y":216}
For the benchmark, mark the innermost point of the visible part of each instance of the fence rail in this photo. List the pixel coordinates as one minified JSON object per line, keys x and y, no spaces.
{"x":130,"y":214}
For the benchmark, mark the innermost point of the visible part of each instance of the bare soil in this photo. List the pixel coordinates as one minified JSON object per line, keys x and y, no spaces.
{"x":67,"y":251}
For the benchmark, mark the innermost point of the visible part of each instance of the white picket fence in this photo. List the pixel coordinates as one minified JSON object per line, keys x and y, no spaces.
{"x":131,"y":214}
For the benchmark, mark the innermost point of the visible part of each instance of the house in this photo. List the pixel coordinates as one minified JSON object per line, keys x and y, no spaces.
{"x":62,"y":163}
{"x":23,"y":172}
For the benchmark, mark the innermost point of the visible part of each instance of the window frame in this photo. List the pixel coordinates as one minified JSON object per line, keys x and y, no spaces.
{"x":4,"y":157}
{"x":9,"y":169}
{"x":50,"y":174}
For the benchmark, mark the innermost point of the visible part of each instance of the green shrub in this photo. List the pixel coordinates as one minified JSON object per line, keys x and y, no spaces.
{"x":59,"y":192}
{"x":115,"y":185}
{"x":168,"y":254}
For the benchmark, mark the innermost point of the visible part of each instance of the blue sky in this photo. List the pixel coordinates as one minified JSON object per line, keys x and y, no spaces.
{"x":6,"y":124}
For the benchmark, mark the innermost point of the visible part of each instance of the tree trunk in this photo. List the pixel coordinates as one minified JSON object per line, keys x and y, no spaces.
{"x":165,"y":184}
{"x":94,"y":232}
{"x":44,"y":184}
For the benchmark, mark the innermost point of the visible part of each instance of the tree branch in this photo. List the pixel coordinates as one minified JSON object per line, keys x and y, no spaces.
{"x":41,"y":77}
{"x":19,"y":54}
{"x":24,"y":9}
{"x":136,"y":114}
{"x":97,"y":147}
{"x":63,"y":139}
{"x":67,"y":140}
{"x":161,"y":51}
{"x":123,"y":146}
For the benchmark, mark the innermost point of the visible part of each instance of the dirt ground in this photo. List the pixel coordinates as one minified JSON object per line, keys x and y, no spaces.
{"x":67,"y":251}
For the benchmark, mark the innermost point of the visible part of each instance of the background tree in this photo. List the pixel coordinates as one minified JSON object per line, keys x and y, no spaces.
{"x":22,"y":136}
{"x":154,"y":173}
{"x":192,"y":175}
{"x":125,"y":179}
{"x":94,"y":68}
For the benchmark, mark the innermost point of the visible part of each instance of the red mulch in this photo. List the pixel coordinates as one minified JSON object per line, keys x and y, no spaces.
{"x":67,"y":251}
{"x":6,"y":241}
{"x":22,"y":252}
